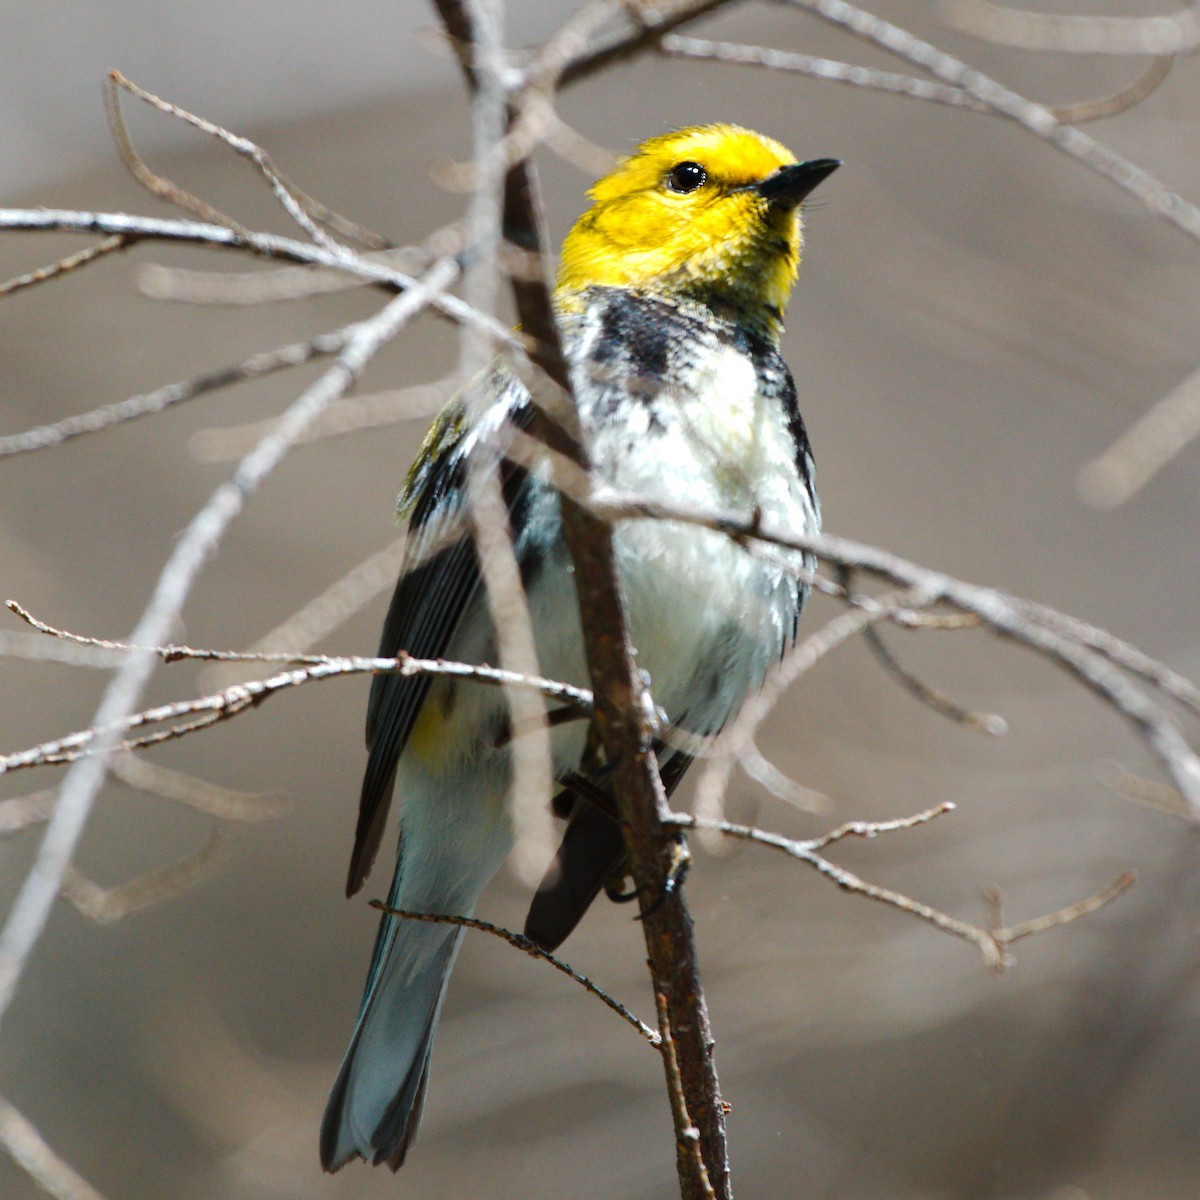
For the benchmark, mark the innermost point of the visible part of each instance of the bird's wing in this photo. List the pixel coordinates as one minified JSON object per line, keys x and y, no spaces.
{"x":441,"y":576}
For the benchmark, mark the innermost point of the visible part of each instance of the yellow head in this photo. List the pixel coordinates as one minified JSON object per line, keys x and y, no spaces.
{"x":710,"y":212}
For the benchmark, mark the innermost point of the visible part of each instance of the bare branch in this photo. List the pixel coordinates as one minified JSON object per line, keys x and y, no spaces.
{"x":107,"y":905}
{"x":532,"y":767}
{"x":30,"y":1152}
{"x":266,"y":245}
{"x":32,"y":646}
{"x":623,"y":712}
{"x":687,"y":1136}
{"x":1118,"y":474}
{"x":1174,"y":33}
{"x":170,"y":191}
{"x":649,"y":23}
{"x":677,"y":46}
{"x":1064,"y":916}
{"x":1036,"y":118}
{"x":781,"y":786}
{"x":19,"y":812}
{"x":226,"y":804}
{"x":809,"y":852}
{"x":531,"y":948}
{"x":355,"y":413}
{"x":1146,"y":84}
{"x":27,"y":917}
{"x":107,"y":415}
{"x":277,"y":284}
{"x":66,"y":264}
{"x":872,"y":829}
{"x":1113,"y":648}
{"x":236,"y":698}
{"x":1150,"y":792}
{"x":981,"y":722}
{"x":991,"y":943}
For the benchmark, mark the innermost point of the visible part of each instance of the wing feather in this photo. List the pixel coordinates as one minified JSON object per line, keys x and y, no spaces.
{"x":440,"y":578}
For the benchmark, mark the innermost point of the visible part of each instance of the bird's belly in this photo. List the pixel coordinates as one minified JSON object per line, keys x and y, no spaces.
{"x":707,"y":617}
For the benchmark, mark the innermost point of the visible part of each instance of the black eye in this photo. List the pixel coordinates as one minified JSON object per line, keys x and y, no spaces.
{"x":686,"y":177}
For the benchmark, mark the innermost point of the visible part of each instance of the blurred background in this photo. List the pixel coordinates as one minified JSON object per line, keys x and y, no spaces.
{"x":977,"y":318}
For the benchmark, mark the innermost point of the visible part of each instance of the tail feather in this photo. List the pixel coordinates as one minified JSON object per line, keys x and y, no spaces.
{"x":376,"y":1102}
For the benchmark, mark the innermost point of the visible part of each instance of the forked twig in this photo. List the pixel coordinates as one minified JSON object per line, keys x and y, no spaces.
{"x":201,"y":712}
{"x":28,"y":914}
{"x":991,"y":943}
{"x":292,"y":203}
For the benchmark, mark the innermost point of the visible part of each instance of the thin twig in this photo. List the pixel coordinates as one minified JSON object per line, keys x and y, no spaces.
{"x":1120,"y":652}
{"x":32,"y":646}
{"x":235,"y":699}
{"x":66,"y":264}
{"x":1037,"y":118}
{"x":226,"y":804}
{"x":991,"y":943}
{"x":266,"y":245}
{"x":1173,"y":33}
{"x":1120,"y":472}
{"x":105,"y":906}
{"x":490,"y":530}
{"x":163,"y":187}
{"x":1064,"y":916}
{"x":765,"y":773}
{"x":534,"y":951}
{"x":276,"y":284}
{"x":28,"y":914}
{"x":155,"y":184}
{"x":107,"y":415}
{"x":1087,"y":653}
{"x":677,"y":46}
{"x":1144,"y":86}
{"x":1150,"y":792}
{"x":648,"y":23}
{"x":809,"y":852}
{"x":227,"y":443}
{"x":31,"y":1153}
{"x":992,"y":724}
{"x":19,"y":812}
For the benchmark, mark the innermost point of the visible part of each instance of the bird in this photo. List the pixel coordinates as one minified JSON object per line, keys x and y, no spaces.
{"x":670,"y":302}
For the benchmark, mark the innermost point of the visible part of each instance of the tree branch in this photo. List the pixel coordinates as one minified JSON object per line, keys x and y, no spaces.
{"x":31,"y":909}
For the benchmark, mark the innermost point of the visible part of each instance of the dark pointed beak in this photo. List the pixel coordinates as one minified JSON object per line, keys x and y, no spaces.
{"x":789,"y":185}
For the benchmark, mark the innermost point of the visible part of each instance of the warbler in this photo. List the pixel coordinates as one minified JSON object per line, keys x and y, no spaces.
{"x":670,"y":301}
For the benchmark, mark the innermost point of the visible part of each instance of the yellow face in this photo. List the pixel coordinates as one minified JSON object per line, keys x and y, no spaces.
{"x":680,"y":215}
